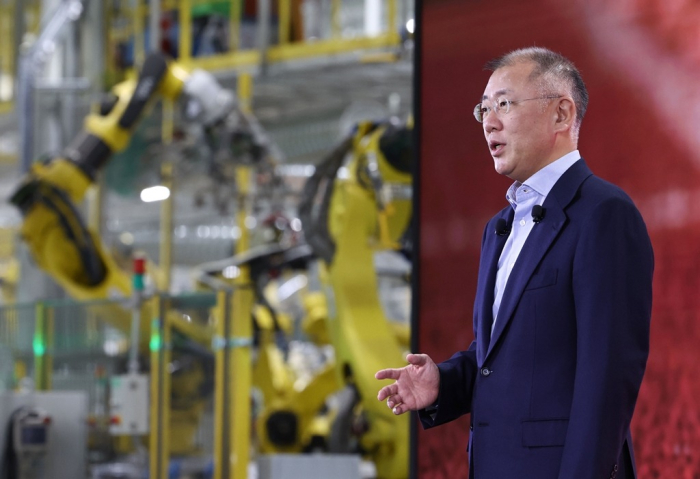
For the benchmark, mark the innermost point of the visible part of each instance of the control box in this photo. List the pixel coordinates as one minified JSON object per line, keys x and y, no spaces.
{"x":128,"y":405}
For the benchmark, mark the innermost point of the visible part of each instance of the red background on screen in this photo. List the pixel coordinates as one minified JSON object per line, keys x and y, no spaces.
{"x":640,"y":62}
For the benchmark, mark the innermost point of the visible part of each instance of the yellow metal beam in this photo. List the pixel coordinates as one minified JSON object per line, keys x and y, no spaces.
{"x":292,"y":51}
{"x":166,"y":209}
{"x":335,"y":19}
{"x":235,"y":25}
{"x":34,"y":12}
{"x":6,"y":106}
{"x":43,"y":346}
{"x":139,"y":34}
{"x":330,"y":47}
{"x":165,"y":399}
{"x":241,"y":328}
{"x":7,"y":158}
{"x":241,"y":341}
{"x":219,"y":385}
{"x":185,"y":40}
{"x":284,"y":20}
{"x":159,"y":441}
{"x":392,"y":16}
{"x":222,"y":398}
{"x":109,"y":48}
{"x":154,"y":440}
{"x":244,"y":92}
{"x":7,"y":53}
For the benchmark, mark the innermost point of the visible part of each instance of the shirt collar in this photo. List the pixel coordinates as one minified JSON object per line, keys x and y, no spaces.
{"x":543,"y":181}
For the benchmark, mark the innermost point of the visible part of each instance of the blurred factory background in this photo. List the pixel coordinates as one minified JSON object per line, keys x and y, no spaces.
{"x":204,"y":237}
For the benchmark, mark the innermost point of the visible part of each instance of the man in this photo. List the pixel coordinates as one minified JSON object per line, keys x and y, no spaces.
{"x":563,"y":302}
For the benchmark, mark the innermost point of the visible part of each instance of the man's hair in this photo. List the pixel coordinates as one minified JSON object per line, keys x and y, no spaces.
{"x":551,"y":66}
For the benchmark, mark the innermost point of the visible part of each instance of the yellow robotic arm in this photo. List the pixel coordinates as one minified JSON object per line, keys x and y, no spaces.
{"x":61,"y":244}
{"x":56,"y":235}
{"x":366,"y":209}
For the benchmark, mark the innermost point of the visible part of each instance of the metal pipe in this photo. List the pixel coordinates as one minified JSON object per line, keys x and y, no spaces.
{"x":18,"y":28}
{"x":66,"y":85}
{"x":71,"y":57}
{"x":263,"y":38}
{"x":25,"y":113}
{"x":139,"y":34}
{"x":154,"y":25}
{"x":137,"y":298}
{"x":29,"y":66}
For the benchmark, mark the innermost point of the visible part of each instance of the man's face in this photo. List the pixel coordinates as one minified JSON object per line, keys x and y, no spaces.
{"x":522,"y":140}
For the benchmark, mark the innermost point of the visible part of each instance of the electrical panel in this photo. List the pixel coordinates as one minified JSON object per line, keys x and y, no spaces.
{"x":128,"y":405}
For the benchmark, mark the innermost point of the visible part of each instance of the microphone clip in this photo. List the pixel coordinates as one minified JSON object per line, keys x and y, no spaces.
{"x":538,"y":213}
{"x":502,"y":228}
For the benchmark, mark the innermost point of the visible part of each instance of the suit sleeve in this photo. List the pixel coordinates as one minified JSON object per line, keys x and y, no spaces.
{"x":612,"y":276}
{"x":457,"y":376}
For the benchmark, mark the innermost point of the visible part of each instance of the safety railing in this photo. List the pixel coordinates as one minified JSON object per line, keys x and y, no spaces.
{"x":17,"y":327}
{"x":228,"y":34}
{"x":196,"y":342}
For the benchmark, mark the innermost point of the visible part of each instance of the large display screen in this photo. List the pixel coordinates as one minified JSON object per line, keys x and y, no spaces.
{"x":641,"y":62}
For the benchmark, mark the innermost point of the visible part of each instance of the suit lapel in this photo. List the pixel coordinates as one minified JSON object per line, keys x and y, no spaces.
{"x":487,"y":280}
{"x":536,"y":246}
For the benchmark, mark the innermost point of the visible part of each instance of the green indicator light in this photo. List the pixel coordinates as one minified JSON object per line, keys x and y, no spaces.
{"x":155,"y":342}
{"x":39,"y":347}
{"x":138,"y":282}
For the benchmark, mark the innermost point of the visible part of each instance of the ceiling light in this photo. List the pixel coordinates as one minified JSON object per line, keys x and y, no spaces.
{"x":155,"y":193}
{"x":411,"y":26}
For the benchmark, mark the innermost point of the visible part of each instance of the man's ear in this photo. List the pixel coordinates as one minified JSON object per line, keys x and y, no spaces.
{"x":565,"y":114}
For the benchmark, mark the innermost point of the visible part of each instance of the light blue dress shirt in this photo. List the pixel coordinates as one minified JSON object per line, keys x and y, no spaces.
{"x":522,"y":197}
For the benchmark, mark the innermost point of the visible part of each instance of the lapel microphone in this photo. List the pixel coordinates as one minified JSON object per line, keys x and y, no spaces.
{"x":537,"y":213}
{"x":502,"y":227}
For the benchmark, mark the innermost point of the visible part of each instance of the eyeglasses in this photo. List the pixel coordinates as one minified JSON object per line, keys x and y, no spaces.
{"x":502,"y":106}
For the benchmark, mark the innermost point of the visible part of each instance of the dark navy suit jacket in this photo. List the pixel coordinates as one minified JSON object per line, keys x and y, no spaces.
{"x":551,"y":393}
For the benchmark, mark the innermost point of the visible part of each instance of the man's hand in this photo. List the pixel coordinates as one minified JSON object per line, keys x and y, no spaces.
{"x":416,"y":385}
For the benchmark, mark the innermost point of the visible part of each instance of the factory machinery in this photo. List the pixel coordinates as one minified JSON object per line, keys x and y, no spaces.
{"x":356,"y":203}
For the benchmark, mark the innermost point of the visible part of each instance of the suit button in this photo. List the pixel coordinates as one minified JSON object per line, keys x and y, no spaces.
{"x":471,"y":427}
{"x":485,"y":371}
{"x":615,"y":468}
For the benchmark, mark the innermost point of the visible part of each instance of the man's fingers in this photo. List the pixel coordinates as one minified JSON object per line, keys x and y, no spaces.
{"x":417,"y":359}
{"x":394,"y":400}
{"x":399,"y":409}
{"x":383,"y":393}
{"x":388,"y":374}
{"x":387,"y":391}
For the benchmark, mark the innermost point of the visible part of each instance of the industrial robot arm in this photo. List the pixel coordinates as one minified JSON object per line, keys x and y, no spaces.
{"x":57,"y":237}
{"x":347,"y":218}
